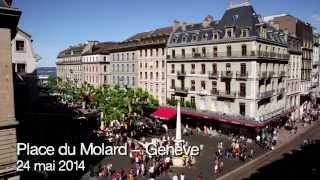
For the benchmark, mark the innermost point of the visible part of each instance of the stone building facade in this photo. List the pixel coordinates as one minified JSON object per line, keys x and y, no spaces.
{"x":152,"y":62}
{"x":24,"y":58}
{"x":69,"y":64}
{"x":95,"y":63}
{"x":304,"y":33}
{"x":316,"y":67}
{"x":9,"y":18}
{"x":236,"y":66}
{"x":124,"y":65}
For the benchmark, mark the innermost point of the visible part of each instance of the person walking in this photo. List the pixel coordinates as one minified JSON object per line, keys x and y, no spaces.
{"x":182,"y":176}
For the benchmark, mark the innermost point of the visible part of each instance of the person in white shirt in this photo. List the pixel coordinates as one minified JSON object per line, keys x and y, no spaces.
{"x":182,"y":176}
{"x":175,"y":177}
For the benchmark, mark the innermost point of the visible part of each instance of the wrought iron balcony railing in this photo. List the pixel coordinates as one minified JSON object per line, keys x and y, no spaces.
{"x":226,"y":74}
{"x":213,"y":75}
{"x":242,"y":75}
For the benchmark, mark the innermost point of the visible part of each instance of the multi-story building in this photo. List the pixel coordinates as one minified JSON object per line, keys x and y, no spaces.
{"x":294,"y":75}
{"x":9,"y":18}
{"x":236,"y":66}
{"x":95,"y":63}
{"x":316,"y":67}
{"x":152,"y":62}
{"x":124,"y":63}
{"x":304,"y":32}
{"x":69,"y":63}
{"x":24,"y":58}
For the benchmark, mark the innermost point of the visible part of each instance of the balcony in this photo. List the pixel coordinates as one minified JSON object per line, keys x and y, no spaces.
{"x":232,"y":55}
{"x":263,"y":75}
{"x":213,"y":75}
{"x":226,"y":74}
{"x":229,"y":95}
{"x":182,"y":90}
{"x":265,"y":95}
{"x":271,"y":74}
{"x":273,"y":55}
{"x":181,"y":74}
{"x":242,"y":75}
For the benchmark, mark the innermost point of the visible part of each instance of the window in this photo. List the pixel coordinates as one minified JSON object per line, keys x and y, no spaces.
{"x":157,"y":64}
{"x":162,"y":51}
{"x":243,"y":69}
{"x":21,"y":68}
{"x":157,"y":52}
{"x":146,"y":75}
{"x":242,"y":109}
{"x":193,"y":67}
{"x":214,"y":87}
{"x":140,"y":65}
{"x":228,"y":67}
{"x":140,"y":52}
{"x":145,"y":52}
{"x":128,"y":81}
{"x":203,"y":68}
{"x":133,"y":81}
{"x":193,"y":52}
{"x":193,"y":101}
{"x":122,"y":56}
{"x":183,"y":52}
{"x":228,"y":91}
{"x":214,"y":68}
{"x":172,"y":68}
{"x":105,"y":68}
{"x":122,"y":68}
{"x":145,"y":65}
{"x":151,"y":52}
{"x":173,"y":53}
{"x":229,"y":33}
{"x":244,"y":33}
{"x":19,"y":45}
{"x":133,"y":67}
{"x":203,"y":85}
{"x":172,"y":97}
{"x":215,"y":51}
{"x":133,"y":56}
{"x":157,"y":76}
{"x":127,"y":67}
{"x":193,"y":85}
{"x":244,"y":50}
{"x":182,"y":68}
{"x":140,"y":75}
{"x":162,"y":76}
{"x":229,"y":53}
{"x":242,"y":89}
{"x":194,"y":37}
{"x":162,"y":64}
{"x":173,"y":85}
{"x":204,"y":52}
{"x":216,"y":36}
{"x":151,"y":75}
{"x":127,"y":56}
{"x":104,"y":59}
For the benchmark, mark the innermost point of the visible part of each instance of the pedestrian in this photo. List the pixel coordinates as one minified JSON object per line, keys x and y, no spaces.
{"x":175,"y":177}
{"x":182,"y":176}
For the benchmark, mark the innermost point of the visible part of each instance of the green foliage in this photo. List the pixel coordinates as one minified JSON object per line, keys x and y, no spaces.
{"x":116,"y":103}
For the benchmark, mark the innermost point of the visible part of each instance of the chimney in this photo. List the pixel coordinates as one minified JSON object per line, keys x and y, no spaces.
{"x":184,"y":26}
{"x":176,"y":25}
{"x":207,"y":20}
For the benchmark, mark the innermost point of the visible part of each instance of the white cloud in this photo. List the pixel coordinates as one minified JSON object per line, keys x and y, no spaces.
{"x":316,"y":17}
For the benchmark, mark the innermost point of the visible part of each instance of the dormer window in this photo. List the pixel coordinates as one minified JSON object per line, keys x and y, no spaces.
{"x":205,"y":36}
{"x":174,"y":40}
{"x":184,"y":39}
{"x":194,"y":37}
{"x":244,"y":32}
{"x":229,"y":33}
{"x":216,"y":36}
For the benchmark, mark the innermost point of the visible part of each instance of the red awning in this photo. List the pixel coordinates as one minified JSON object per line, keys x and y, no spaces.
{"x":164,"y":113}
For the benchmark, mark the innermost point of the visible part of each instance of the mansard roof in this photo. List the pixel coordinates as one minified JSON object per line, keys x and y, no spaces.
{"x":102,"y":48}
{"x":72,"y":51}
{"x":237,"y":18}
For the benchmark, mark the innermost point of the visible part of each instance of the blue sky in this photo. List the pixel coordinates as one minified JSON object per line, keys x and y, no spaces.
{"x":56,"y":24}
